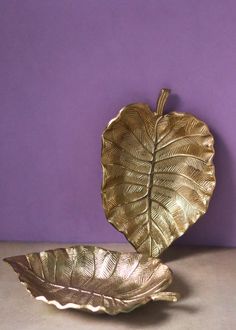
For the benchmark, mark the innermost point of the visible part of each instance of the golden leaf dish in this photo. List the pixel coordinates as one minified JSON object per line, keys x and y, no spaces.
{"x":158,"y":178}
{"x":158,"y":174}
{"x":93,"y":279}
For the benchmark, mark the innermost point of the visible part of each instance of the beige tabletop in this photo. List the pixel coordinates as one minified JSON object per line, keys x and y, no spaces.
{"x":205,"y":278}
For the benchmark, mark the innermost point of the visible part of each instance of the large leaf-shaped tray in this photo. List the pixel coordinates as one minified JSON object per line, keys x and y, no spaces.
{"x":158,"y":175}
{"x":94,"y":279}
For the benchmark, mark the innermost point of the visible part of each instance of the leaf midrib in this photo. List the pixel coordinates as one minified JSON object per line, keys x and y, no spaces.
{"x":150,"y":185}
{"x":138,"y":297}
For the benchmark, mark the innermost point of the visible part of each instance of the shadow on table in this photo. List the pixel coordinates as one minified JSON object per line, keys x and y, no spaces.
{"x":181,"y":252}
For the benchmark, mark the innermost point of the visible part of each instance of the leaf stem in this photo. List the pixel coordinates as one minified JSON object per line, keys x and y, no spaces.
{"x":166,"y":296}
{"x":161,"y":101}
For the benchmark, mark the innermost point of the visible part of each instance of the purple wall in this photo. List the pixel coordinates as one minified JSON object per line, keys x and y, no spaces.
{"x":67,"y":67}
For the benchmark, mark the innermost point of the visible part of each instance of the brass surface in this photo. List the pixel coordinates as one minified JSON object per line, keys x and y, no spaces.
{"x":158,"y":174}
{"x":94,"y":279}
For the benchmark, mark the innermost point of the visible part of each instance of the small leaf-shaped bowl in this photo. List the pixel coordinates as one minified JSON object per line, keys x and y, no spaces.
{"x":93,"y":279}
